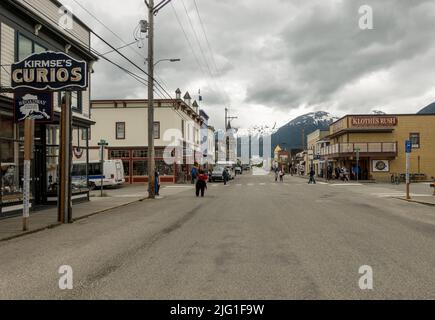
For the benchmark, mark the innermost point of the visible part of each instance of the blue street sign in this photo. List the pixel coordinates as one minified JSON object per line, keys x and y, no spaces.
{"x":408,"y":146}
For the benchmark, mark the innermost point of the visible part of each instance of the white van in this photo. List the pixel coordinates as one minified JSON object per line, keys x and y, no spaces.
{"x":113,"y":173}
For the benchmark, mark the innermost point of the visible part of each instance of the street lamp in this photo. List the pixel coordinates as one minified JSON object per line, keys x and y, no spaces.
{"x":169,"y":60}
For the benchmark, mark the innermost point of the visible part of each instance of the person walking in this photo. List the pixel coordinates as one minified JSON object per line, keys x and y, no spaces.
{"x":281,"y":175}
{"x":157,"y":183}
{"x":194,"y":174}
{"x":201,"y":184}
{"x":276,"y":174}
{"x":225,"y":176}
{"x":312,"y":174}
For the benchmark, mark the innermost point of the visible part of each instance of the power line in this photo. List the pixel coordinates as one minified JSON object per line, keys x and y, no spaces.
{"x":209,"y":47}
{"x":187,"y":39}
{"x":104,"y":41}
{"x":197,"y":39}
{"x":131,"y":74}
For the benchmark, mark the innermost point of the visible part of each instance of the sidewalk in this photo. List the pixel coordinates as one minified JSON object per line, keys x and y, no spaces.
{"x":44,"y":219}
{"x":11,"y":228}
{"x":428,"y":201}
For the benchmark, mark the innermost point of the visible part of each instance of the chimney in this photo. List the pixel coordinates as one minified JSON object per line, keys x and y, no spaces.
{"x":178,"y":94}
{"x":188,"y":99}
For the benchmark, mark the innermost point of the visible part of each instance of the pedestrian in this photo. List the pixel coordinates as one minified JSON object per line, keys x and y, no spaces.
{"x":312,"y":174}
{"x":225,"y":176}
{"x":201,"y":184}
{"x":194,"y":174}
{"x":276,"y":174}
{"x":281,"y":175}
{"x":157,"y":183}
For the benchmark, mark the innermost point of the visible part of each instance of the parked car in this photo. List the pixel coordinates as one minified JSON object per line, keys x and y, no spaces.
{"x":112,"y":174}
{"x":217,"y":174}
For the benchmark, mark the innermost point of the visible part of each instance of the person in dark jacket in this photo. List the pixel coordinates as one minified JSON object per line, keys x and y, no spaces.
{"x":157,"y":183}
{"x":312,"y":174}
{"x":225,"y":176}
{"x":201,"y":183}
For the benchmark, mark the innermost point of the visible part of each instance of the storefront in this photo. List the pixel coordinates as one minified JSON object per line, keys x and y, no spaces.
{"x":44,"y":172}
{"x":372,"y":147}
{"x":26,"y":30}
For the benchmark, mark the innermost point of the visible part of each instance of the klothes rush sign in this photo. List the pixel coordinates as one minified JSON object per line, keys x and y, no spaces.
{"x":50,"y":71}
{"x":373,"y":121}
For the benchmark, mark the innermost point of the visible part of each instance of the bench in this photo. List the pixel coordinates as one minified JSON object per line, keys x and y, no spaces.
{"x":432,"y":185}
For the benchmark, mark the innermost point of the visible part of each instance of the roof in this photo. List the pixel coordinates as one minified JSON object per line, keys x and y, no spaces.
{"x":187,"y":95}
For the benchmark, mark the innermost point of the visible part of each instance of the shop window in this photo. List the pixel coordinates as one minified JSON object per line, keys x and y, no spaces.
{"x":415,"y":139}
{"x":26,"y":46}
{"x":164,"y":169}
{"x":159,"y":153}
{"x":6,"y":126}
{"x":126,"y":165}
{"x":140,"y":153}
{"x":140,"y":168}
{"x":119,"y":154}
{"x":120,"y":131}
{"x":76,"y":101}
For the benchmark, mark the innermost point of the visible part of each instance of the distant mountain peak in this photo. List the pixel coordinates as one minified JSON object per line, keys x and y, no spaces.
{"x":430,"y":109}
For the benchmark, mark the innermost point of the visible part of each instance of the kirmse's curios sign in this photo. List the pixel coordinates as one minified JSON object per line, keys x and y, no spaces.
{"x":50,"y":71}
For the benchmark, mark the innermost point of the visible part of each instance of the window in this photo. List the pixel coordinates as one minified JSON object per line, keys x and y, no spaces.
{"x":164,"y":169}
{"x":415,"y":139}
{"x":76,"y":101}
{"x":86,"y":133}
{"x":156,"y":130}
{"x":140,"y":153}
{"x":126,"y":165}
{"x":95,"y":169}
{"x":26,"y":46}
{"x":159,"y":153}
{"x":119,"y":154}
{"x":140,"y":168}
{"x":120,"y":131}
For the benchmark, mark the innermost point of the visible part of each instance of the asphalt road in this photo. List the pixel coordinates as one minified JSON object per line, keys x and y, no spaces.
{"x":254,"y":239}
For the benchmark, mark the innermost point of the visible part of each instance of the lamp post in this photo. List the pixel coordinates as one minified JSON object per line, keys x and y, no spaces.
{"x":169,"y":60}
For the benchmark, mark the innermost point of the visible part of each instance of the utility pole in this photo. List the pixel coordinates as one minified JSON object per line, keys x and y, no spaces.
{"x":227,"y":127}
{"x":65,"y":155}
{"x":29,"y":130}
{"x":151,"y":151}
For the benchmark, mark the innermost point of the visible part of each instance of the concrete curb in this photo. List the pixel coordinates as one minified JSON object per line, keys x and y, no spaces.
{"x":58,"y":224}
{"x":416,"y":201}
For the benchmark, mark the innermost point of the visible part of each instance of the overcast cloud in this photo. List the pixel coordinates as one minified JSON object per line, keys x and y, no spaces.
{"x":278,"y":59}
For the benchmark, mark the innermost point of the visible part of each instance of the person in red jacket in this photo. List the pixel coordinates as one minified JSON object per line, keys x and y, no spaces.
{"x":201,"y":183}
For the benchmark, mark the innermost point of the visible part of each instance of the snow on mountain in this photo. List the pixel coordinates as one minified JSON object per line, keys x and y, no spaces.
{"x":257,"y":130}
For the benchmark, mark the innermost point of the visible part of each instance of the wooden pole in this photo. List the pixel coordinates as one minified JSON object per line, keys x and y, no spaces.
{"x":29,"y":126}
{"x":65,"y":159}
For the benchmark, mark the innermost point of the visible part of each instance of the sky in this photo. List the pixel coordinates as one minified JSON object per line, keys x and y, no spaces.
{"x":271,"y":61}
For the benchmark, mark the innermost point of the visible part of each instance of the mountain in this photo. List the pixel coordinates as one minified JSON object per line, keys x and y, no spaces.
{"x":290,"y":135}
{"x":430,"y":109}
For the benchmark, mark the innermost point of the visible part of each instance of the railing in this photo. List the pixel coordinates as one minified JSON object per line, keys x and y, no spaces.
{"x":363,"y":147}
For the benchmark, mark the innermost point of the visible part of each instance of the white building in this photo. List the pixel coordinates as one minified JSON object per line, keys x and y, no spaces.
{"x":124,"y":125}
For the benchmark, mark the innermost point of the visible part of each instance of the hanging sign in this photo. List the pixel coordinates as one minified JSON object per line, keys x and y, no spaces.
{"x":37,"y":106}
{"x":50,"y":71}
